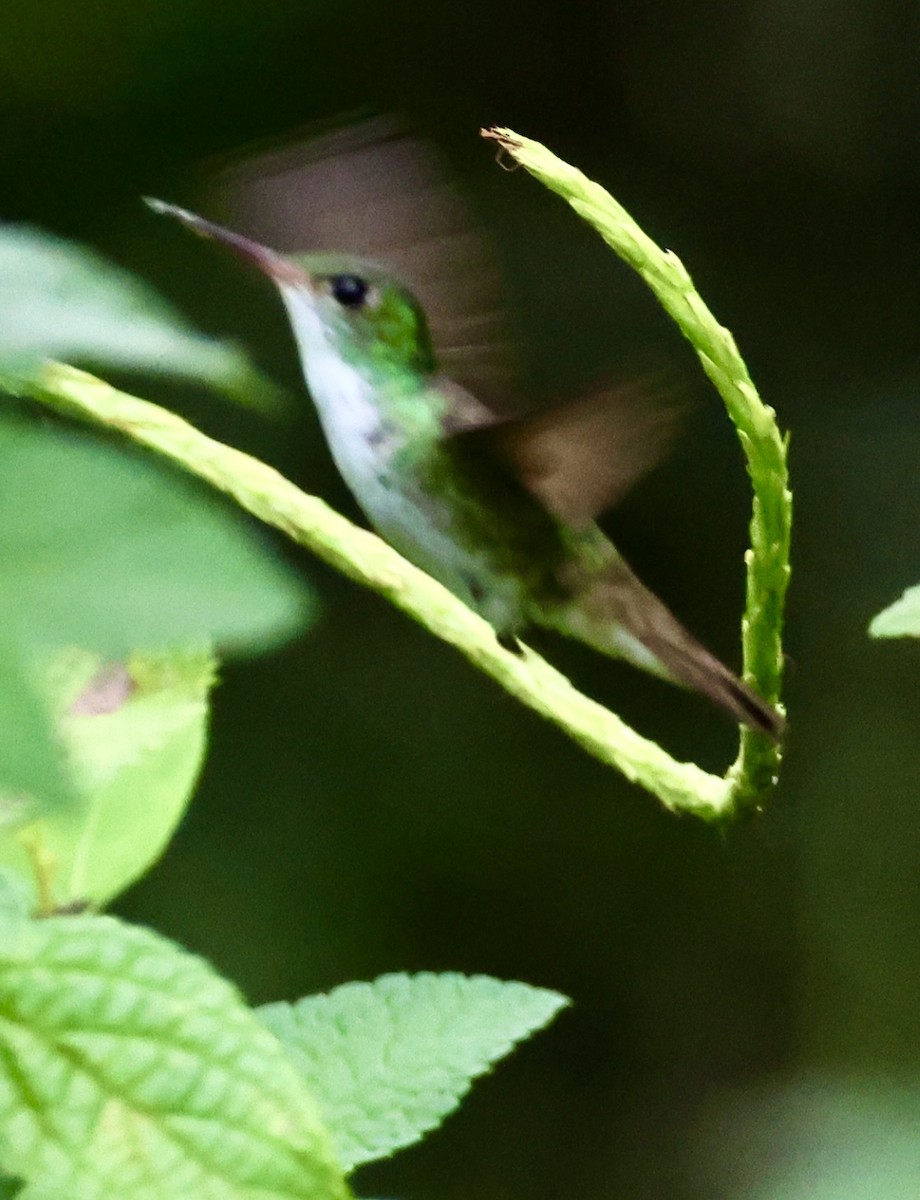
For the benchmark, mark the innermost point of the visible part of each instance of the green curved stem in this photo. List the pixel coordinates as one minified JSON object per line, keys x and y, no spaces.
{"x":767,"y":561}
{"x":306,"y":519}
{"x":362,"y":556}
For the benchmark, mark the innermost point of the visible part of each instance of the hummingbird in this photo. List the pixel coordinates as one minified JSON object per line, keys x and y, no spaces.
{"x":500,"y":508}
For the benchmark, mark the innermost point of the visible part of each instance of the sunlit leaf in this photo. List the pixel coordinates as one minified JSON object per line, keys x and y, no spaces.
{"x":134,"y":734}
{"x":388,"y":1060}
{"x":129,"y":1069}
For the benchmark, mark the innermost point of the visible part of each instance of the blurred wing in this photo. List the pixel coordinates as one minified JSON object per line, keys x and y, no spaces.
{"x":579,"y":459}
{"x":371,"y":190}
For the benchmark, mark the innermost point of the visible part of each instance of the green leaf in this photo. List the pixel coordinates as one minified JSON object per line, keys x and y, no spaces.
{"x":129,"y":1069}
{"x":60,"y":300}
{"x":135,"y":735}
{"x":31,"y":751}
{"x":901,"y":619}
{"x":389,"y":1060}
{"x":107,"y":550}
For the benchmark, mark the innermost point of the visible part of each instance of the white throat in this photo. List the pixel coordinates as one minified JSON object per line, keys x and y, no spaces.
{"x":341,"y":392}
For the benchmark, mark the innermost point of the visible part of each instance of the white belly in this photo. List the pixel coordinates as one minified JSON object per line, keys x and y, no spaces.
{"x":363,"y":449}
{"x":415,"y":525}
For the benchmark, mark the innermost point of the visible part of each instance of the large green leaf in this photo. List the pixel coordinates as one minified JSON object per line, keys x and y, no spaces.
{"x":104,"y":549}
{"x":134,"y":735}
{"x":388,"y":1060}
{"x":129,"y":1069}
{"x":60,"y":300}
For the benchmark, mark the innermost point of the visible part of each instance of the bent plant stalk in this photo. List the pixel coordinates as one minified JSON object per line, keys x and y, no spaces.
{"x":767,"y":561}
{"x":362,"y":556}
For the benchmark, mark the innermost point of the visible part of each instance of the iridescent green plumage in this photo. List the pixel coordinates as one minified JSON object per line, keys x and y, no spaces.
{"x":393,"y":330}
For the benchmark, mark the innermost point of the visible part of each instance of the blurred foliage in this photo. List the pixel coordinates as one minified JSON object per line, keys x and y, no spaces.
{"x":819,"y":1139}
{"x":129,"y":738}
{"x":106,"y":557}
{"x":60,"y":301}
{"x":108,"y":550}
{"x":371,"y":804}
{"x":105,"y":551}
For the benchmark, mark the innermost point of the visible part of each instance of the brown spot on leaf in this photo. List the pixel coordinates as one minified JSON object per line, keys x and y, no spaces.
{"x":110,"y":688}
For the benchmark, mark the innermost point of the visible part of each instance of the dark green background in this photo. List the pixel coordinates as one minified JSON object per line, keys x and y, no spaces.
{"x":372,"y":804}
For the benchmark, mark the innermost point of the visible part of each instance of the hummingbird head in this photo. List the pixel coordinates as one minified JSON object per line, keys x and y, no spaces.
{"x":336,"y":303}
{"x":361,"y":311}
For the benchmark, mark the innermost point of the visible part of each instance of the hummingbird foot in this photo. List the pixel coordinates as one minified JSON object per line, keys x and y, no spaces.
{"x":509,"y":642}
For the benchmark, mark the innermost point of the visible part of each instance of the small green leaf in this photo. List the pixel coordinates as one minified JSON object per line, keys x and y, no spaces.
{"x":129,"y":1069}
{"x":60,"y":300}
{"x":135,"y":735}
{"x":107,"y":550}
{"x":388,"y":1060}
{"x":901,"y":619}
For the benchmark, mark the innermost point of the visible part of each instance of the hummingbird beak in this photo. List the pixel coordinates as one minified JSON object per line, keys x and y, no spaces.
{"x":275,"y":266}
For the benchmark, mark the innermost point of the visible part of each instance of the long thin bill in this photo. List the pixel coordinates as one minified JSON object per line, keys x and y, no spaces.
{"x":280,"y":269}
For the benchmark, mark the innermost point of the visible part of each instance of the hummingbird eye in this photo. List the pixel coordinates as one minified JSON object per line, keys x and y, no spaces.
{"x":349,"y":290}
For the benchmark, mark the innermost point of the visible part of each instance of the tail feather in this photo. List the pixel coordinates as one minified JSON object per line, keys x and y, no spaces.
{"x":615,"y":613}
{"x":691,"y":664}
